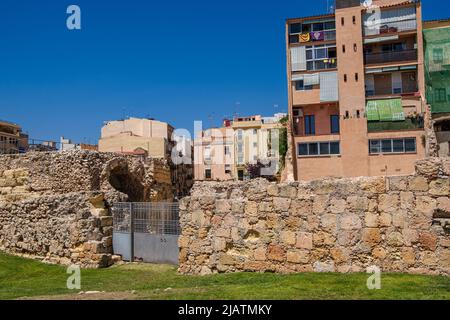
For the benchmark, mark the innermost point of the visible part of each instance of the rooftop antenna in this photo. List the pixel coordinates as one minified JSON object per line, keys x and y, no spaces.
{"x":236,"y":109}
{"x":211,"y":118}
{"x":330,"y":6}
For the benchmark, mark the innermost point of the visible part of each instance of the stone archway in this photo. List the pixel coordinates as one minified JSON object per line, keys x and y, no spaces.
{"x":118,"y":176}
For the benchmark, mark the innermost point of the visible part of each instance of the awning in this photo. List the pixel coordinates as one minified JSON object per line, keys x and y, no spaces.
{"x":385,"y":110}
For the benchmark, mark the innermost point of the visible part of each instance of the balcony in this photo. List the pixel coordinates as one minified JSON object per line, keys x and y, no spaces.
{"x":398,"y":83}
{"x":393,"y":56}
{"x":408,"y":124}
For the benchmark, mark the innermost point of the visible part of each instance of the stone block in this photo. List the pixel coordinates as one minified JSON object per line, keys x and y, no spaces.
{"x":223,"y":206}
{"x":287,"y":192}
{"x":324,"y":267}
{"x":288,"y":237}
{"x":298,"y":256}
{"x":428,"y":241}
{"x":304,"y":240}
{"x":272,"y":190}
{"x":260,"y":254}
{"x":106,"y":221}
{"x":301,"y":207}
{"x":251,"y":208}
{"x":350,"y":221}
{"x":337,"y":206}
{"x":388,"y":202}
{"x":440,"y":187}
{"x":371,"y":220}
{"x":418,"y":183}
{"x":281,"y":204}
{"x":276,"y":252}
{"x":371,"y":236}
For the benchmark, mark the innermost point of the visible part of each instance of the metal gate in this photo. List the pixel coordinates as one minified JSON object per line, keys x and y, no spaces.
{"x":146,"y":232}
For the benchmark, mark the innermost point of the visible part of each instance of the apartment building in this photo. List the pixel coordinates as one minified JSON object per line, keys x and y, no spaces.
{"x":12,"y":140}
{"x":214,"y":154}
{"x":356,"y":90}
{"x":224,"y":153}
{"x":129,"y":135}
{"x":437,"y":78}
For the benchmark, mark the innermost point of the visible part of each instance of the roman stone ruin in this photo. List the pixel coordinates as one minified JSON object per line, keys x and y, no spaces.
{"x":400,"y":224}
{"x":54,"y":206}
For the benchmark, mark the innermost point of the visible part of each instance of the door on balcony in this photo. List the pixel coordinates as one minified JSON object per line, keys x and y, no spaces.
{"x":383,"y":84}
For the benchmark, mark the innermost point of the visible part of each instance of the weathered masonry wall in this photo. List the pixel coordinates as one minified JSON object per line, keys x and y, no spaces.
{"x":63,"y":229}
{"x":54,"y":206}
{"x":400,"y":224}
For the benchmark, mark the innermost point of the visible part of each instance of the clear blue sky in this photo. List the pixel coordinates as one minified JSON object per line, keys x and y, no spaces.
{"x":177,"y":61}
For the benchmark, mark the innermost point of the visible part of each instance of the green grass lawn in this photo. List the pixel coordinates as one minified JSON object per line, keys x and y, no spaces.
{"x":27,"y":278}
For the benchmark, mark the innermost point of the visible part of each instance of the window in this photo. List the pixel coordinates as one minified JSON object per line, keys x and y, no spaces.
{"x":208,"y":174}
{"x":399,"y":145}
{"x":240,"y":147}
{"x":300,"y":86}
{"x":227,"y":169}
{"x":438,"y":55}
{"x":356,"y":77}
{"x":440,"y":95}
{"x":354,"y":19}
{"x":321,"y":57}
{"x":342,"y":21}
{"x":310,"y":125}
{"x":295,"y":28}
{"x":410,"y":145}
{"x":325,"y":148}
{"x":240,"y":159}
{"x":355,"y":47}
{"x":226,"y":150}
{"x":343,"y":48}
{"x":345,"y":78}
{"x":255,"y":144}
{"x":207,"y":153}
{"x":239,"y":134}
{"x":298,"y":28}
{"x":334,"y":123}
{"x":394,"y":47}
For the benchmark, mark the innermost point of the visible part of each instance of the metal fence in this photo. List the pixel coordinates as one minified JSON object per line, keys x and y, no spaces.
{"x":146,"y":232}
{"x":154,"y":218}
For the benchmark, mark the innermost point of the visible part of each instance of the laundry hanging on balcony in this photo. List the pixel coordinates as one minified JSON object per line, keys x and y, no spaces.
{"x":305,"y":37}
{"x":318,"y":36}
{"x":385,"y":110}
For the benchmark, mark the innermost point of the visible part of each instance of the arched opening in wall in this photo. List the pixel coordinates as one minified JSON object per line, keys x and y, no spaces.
{"x":124,"y":181}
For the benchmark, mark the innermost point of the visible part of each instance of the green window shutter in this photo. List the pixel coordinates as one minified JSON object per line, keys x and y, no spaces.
{"x":397,"y":110}
{"x":372,"y":111}
{"x":384,"y":109}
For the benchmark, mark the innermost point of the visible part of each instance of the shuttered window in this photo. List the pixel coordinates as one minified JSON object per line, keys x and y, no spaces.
{"x":329,"y":86}
{"x":298,"y":58}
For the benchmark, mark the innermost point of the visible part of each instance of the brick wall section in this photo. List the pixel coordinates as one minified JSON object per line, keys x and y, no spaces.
{"x":400,"y":224}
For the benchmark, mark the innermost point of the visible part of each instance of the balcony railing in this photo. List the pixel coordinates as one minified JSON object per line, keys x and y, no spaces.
{"x":404,"y":91}
{"x":393,"y":56}
{"x":391,"y":27}
{"x":325,"y":35}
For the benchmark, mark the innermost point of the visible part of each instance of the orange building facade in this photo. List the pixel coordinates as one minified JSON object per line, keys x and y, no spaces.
{"x":356,"y":90}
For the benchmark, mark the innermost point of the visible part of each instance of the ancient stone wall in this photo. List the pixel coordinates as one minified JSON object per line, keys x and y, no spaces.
{"x":65,"y":229}
{"x":54,"y":206}
{"x":46,"y":173}
{"x":400,"y":224}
